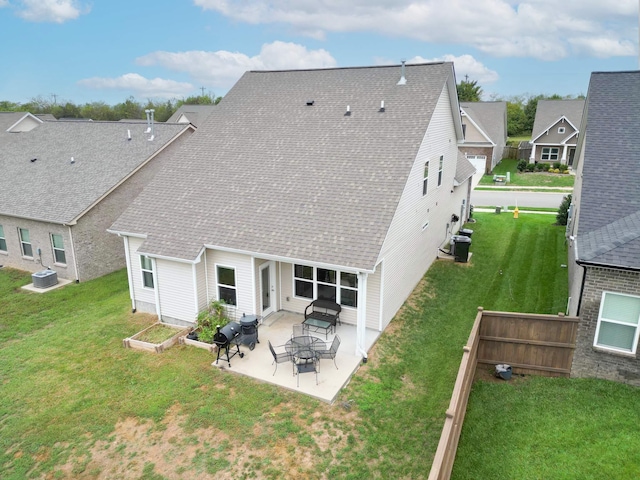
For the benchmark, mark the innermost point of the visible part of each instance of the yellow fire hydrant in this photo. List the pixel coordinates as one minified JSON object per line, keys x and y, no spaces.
{"x":515,"y":212}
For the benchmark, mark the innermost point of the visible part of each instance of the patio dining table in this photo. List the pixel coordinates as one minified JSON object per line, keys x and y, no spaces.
{"x":304,"y":347}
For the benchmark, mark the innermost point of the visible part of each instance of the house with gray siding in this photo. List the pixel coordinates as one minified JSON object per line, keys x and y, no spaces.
{"x":604,"y":231}
{"x":485,"y":133}
{"x":555,"y":131}
{"x":64,"y":183}
{"x":335,"y":183}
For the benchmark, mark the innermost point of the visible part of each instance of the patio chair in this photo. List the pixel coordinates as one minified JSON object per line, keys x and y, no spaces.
{"x":308,"y":365}
{"x":332,"y":351}
{"x":279,"y":357}
{"x":299,"y":330}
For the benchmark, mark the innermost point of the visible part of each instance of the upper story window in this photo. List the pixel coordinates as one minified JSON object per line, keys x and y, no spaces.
{"x":561,"y":130}
{"x":146,"y":265}
{"x":440,"y":167}
{"x":339,"y":287}
{"x":227,"y":285}
{"x":57,"y":243}
{"x":425,"y":180}
{"x":3,"y":240}
{"x":549,"y":154}
{"x":25,"y":242}
{"x":618,"y":322}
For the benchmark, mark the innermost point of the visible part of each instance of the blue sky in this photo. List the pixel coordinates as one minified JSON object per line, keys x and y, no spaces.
{"x":108,"y":50}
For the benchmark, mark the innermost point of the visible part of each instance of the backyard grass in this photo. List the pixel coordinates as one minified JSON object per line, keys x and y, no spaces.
{"x":527,"y":179}
{"x":75,"y":404}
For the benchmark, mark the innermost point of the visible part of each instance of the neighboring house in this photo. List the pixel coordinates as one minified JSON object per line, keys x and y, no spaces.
{"x":555,"y":131}
{"x":64,"y":183}
{"x":193,"y":114}
{"x":485,"y":133}
{"x":334,"y":183}
{"x":604,"y":231}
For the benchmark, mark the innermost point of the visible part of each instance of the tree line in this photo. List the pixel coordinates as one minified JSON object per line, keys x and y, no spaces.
{"x":130,"y":109}
{"x":521,"y":109}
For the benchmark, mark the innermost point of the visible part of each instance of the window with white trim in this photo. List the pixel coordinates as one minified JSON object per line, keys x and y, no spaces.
{"x":549,"y":153}
{"x":3,"y":240}
{"x":226,"y":277}
{"x":313,"y":282}
{"x":146,"y":266}
{"x":425,"y":179}
{"x":618,"y":322}
{"x":25,"y":242}
{"x":440,"y":170}
{"x":57,"y":243}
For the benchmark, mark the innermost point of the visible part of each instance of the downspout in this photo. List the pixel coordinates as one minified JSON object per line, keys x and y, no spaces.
{"x":584,"y":280}
{"x":132,"y":294}
{"x":206,"y":276}
{"x":380,"y":300}
{"x":73,"y":254}
{"x":195,"y":287}
{"x":361,"y":332}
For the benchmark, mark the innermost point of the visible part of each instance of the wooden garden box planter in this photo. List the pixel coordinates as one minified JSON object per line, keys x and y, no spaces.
{"x":135,"y":342}
{"x":210,"y":347}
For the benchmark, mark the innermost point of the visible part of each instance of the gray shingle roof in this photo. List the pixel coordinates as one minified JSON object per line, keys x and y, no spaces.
{"x":464,"y":169}
{"x":53,"y":189}
{"x":268,"y":174}
{"x":196,"y":114}
{"x":609,"y":223}
{"x":548,"y":112}
{"x":490,"y":117}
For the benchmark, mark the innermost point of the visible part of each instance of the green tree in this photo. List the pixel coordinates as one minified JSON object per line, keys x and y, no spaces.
{"x":516,"y":119}
{"x":563,"y":211}
{"x":469,"y":91}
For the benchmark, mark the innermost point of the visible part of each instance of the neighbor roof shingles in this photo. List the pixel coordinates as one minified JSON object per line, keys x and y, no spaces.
{"x":268,"y":174}
{"x":550,"y":111}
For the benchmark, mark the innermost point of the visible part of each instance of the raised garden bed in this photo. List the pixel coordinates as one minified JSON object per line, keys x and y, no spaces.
{"x":185,"y":340}
{"x":156,"y":338}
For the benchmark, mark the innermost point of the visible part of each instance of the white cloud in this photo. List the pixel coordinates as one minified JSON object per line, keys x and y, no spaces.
{"x":57,"y":11}
{"x":543,"y":29}
{"x":140,"y":86}
{"x":4,"y":3}
{"x":464,"y":65}
{"x":221,"y":69}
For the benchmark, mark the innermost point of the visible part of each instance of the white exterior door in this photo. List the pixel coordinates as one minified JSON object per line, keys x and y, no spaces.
{"x":267,"y":288}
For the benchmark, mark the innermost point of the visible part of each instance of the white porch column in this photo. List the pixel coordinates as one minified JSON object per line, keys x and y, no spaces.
{"x":564,"y":154}
{"x":361,"y":325}
{"x":532,"y":157}
{"x":129,"y":274}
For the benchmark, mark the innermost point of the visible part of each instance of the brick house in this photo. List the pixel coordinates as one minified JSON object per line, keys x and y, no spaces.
{"x":485,"y":133}
{"x":604,"y":231}
{"x":64,"y":183}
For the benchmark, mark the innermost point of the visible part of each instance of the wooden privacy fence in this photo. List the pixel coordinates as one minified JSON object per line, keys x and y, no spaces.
{"x":509,"y":152}
{"x":530,"y":343}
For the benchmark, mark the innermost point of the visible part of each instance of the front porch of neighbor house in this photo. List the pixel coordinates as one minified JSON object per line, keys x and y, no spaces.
{"x":277,"y":328}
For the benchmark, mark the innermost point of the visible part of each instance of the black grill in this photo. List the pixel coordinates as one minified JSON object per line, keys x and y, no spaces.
{"x":249,"y":331}
{"x":225,"y":337}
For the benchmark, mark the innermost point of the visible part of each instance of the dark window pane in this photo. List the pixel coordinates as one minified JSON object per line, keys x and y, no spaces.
{"x":326,"y":292}
{"x":228,"y":295}
{"x":227,"y":276}
{"x":27,"y":250}
{"x":302,"y":271}
{"x":349,"y":280}
{"x":3,"y":244}
{"x":349,"y":297}
{"x":60,"y":256}
{"x":146,"y":264}
{"x":147,"y":278}
{"x":304,"y":289}
{"x":326,"y":276}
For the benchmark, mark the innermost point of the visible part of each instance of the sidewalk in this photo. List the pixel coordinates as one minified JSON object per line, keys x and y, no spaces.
{"x":521,"y":187}
{"x":510,"y":212}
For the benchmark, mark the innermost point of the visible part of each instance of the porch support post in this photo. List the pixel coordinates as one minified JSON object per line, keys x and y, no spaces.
{"x":532,"y":157}
{"x":361,"y":325}
{"x":129,"y":273}
{"x":564,"y":154}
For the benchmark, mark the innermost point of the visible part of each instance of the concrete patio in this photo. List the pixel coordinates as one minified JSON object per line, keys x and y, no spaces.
{"x":277,"y":328}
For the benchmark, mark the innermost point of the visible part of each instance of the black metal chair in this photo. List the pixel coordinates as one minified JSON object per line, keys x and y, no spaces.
{"x":307,"y":364}
{"x":279,"y":357}
{"x":332,"y":351}
{"x":300,"y":330}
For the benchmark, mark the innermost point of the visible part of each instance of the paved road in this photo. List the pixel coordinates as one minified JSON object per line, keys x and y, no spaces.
{"x":482,"y":198}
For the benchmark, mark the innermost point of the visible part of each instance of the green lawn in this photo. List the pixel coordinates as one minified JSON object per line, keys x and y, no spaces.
{"x":75,"y":403}
{"x":527,"y":179}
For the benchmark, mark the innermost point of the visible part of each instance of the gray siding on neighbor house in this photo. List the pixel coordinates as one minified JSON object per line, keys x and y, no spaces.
{"x":40,"y":236}
{"x":589,"y":361}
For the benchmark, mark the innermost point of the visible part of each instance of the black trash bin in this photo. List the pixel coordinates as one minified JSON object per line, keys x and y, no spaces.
{"x":466,"y":232}
{"x":461,"y":248}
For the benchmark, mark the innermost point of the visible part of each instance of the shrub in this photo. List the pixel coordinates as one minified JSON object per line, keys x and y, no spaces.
{"x":550,"y":170}
{"x":214,"y":315}
{"x":556,"y":170}
{"x":540,"y":167}
{"x":564,"y":167}
{"x":522,"y":165}
{"x":530,"y":167}
{"x":563,"y":211}
{"x":556,"y":165}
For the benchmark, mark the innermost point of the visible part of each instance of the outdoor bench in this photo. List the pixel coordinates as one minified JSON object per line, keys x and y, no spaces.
{"x":323,"y":310}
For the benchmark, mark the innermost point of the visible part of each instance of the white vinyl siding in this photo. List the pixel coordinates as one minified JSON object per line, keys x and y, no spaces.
{"x":176,"y":290}
{"x":142,"y":294}
{"x":242,"y":264}
{"x":618,"y":322}
{"x":201,"y":279}
{"x":408,"y":249}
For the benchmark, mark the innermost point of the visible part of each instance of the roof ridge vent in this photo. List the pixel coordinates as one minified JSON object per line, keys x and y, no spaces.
{"x":310,"y":103}
{"x":348,"y":112}
{"x":403,"y":80}
{"x":381,"y":106}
